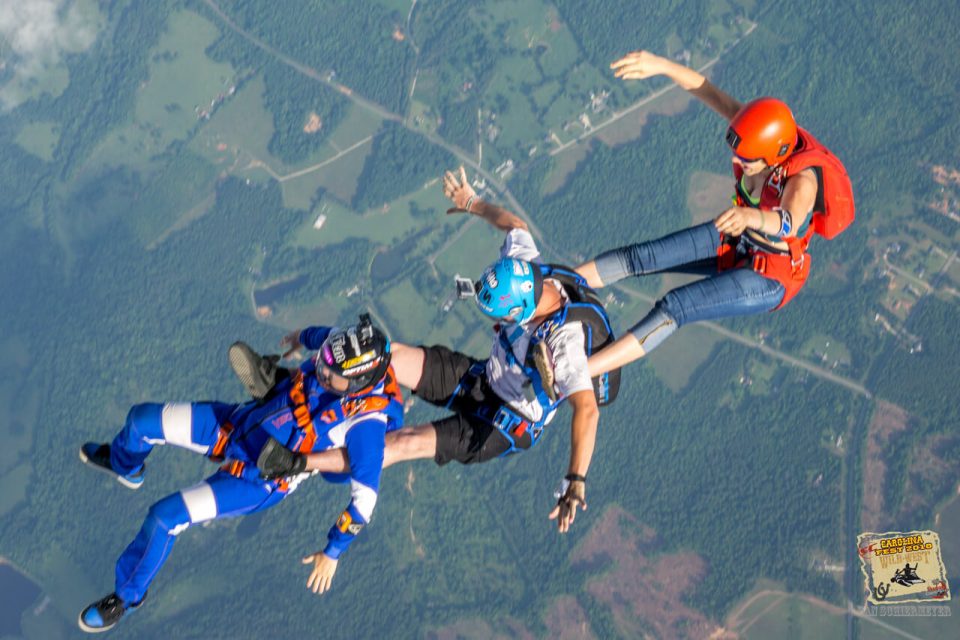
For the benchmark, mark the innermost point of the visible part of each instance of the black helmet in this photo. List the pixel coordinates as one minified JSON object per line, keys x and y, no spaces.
{"x":360,"y":353}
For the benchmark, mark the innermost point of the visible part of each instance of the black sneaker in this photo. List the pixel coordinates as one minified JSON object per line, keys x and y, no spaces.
{"x":104,"y":614}
{"x":257,"y":373}
{"x":98,"y":456}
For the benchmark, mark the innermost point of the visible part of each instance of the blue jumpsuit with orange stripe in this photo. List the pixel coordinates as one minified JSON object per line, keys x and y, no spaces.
{"x":300,"y":413}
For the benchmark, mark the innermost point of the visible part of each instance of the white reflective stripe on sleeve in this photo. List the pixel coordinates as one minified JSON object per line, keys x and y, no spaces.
{"x":338,"y":434}
{"x":364,"y":499}
{"x":177,"y":423}
{"x":200,"y":501}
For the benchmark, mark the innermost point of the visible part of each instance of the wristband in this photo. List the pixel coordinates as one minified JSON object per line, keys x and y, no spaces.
{"x":469,"y":204}
{"x":573,"y":477}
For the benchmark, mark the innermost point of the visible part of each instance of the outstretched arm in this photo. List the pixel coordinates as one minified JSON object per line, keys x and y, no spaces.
{"x":583,"y":431}
{"x":464,"y":198}
{"x":364,"y":443}
{"x":639,"y":65}
{"x":583,"y":438}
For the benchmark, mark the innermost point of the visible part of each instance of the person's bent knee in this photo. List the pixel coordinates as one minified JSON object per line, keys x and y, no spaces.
{"x":169,"y":514}
{"x":146,"y":411}
{"x":656,"y":327}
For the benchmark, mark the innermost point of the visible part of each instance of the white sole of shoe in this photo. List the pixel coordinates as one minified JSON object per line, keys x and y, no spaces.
{"x":129,"y":485}
{"x":89,"y":629}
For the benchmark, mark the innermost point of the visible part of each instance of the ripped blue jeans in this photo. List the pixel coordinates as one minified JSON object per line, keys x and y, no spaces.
{"x":735,"y":292}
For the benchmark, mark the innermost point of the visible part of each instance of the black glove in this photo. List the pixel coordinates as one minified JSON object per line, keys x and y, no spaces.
{"x":575,"y":490}
{"x":276,"y":461}
{"x":572,"y":494}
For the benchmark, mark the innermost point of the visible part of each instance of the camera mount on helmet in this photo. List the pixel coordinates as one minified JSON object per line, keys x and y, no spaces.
{"x":359,"y":353}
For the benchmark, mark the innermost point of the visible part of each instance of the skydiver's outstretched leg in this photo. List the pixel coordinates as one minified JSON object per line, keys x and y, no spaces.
{"x":260,"y":373}
{"x":193,"y":426}
{"x":736,"y":292}
{"x":689,"y":250}
{"x":407,"y":362}
{"x":219,"y":496}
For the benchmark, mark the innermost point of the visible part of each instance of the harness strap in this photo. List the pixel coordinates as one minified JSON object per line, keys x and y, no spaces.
{"x":496,"y":413}
{"x":798,"y":250}
{"x":239,"y":469}
{"x":234,"y":468}
{"x":301,"y":412}
{"x":223,"y":437}
{"x":539,"y":335}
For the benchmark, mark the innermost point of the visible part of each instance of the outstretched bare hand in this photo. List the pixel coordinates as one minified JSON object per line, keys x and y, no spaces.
{"x":322,"y":575}
{"x":458,"y":190}
{"x":638,"y":65}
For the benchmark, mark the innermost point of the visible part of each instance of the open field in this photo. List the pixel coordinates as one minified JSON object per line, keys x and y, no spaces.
{"x":644,"y":591}
{"x":470,"y":252}
{"x":39,"y":138}
{"x":792,"y":617}
{"x":236,"y":137}
{"x":630,"y":127}
{"x":564,"y":164}
{"x":708,"y":195}
{"x":409,"y":312}
{"x":678,"y":358}
{"x":184,"y":83}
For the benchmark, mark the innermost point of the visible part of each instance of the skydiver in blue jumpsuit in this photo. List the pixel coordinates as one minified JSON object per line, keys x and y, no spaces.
{"x":344,"y":397}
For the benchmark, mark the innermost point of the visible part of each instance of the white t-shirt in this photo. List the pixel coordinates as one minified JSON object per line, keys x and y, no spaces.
{"x":566,"y":345}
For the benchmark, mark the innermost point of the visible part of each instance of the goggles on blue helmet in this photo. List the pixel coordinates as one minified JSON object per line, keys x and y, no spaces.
{"x":509,"y":290}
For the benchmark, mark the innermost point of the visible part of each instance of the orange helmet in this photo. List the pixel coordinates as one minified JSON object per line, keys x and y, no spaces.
{"x":763,"y":130}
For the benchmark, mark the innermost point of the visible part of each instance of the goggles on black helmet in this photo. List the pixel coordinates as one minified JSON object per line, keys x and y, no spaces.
{"x":360,"y":354}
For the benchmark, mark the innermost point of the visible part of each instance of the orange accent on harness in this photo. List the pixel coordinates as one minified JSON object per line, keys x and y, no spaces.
{"x":391,"y":391}
{"x":726,"y":254}
{"x":301,"y":412}
{"x":390,"y":386}
{"x":521,"y":428}
{"x":234,"y":468}
{"x":223,"y":436}
{"x":836,"y":214}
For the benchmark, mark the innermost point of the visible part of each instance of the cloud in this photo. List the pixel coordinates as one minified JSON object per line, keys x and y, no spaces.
{"x":35,"y":35}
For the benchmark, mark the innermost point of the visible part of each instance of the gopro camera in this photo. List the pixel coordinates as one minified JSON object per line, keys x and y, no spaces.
{"x":465,"y":287}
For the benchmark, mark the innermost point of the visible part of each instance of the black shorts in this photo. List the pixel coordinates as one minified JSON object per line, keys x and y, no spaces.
{"x":463,"y":436}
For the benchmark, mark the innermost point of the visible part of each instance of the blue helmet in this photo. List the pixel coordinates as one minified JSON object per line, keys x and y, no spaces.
{"x":509,"y":289}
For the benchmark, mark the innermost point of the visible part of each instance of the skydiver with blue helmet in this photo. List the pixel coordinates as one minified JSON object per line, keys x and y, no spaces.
{"x":500,"y":405}
{"x":346,"y":397}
